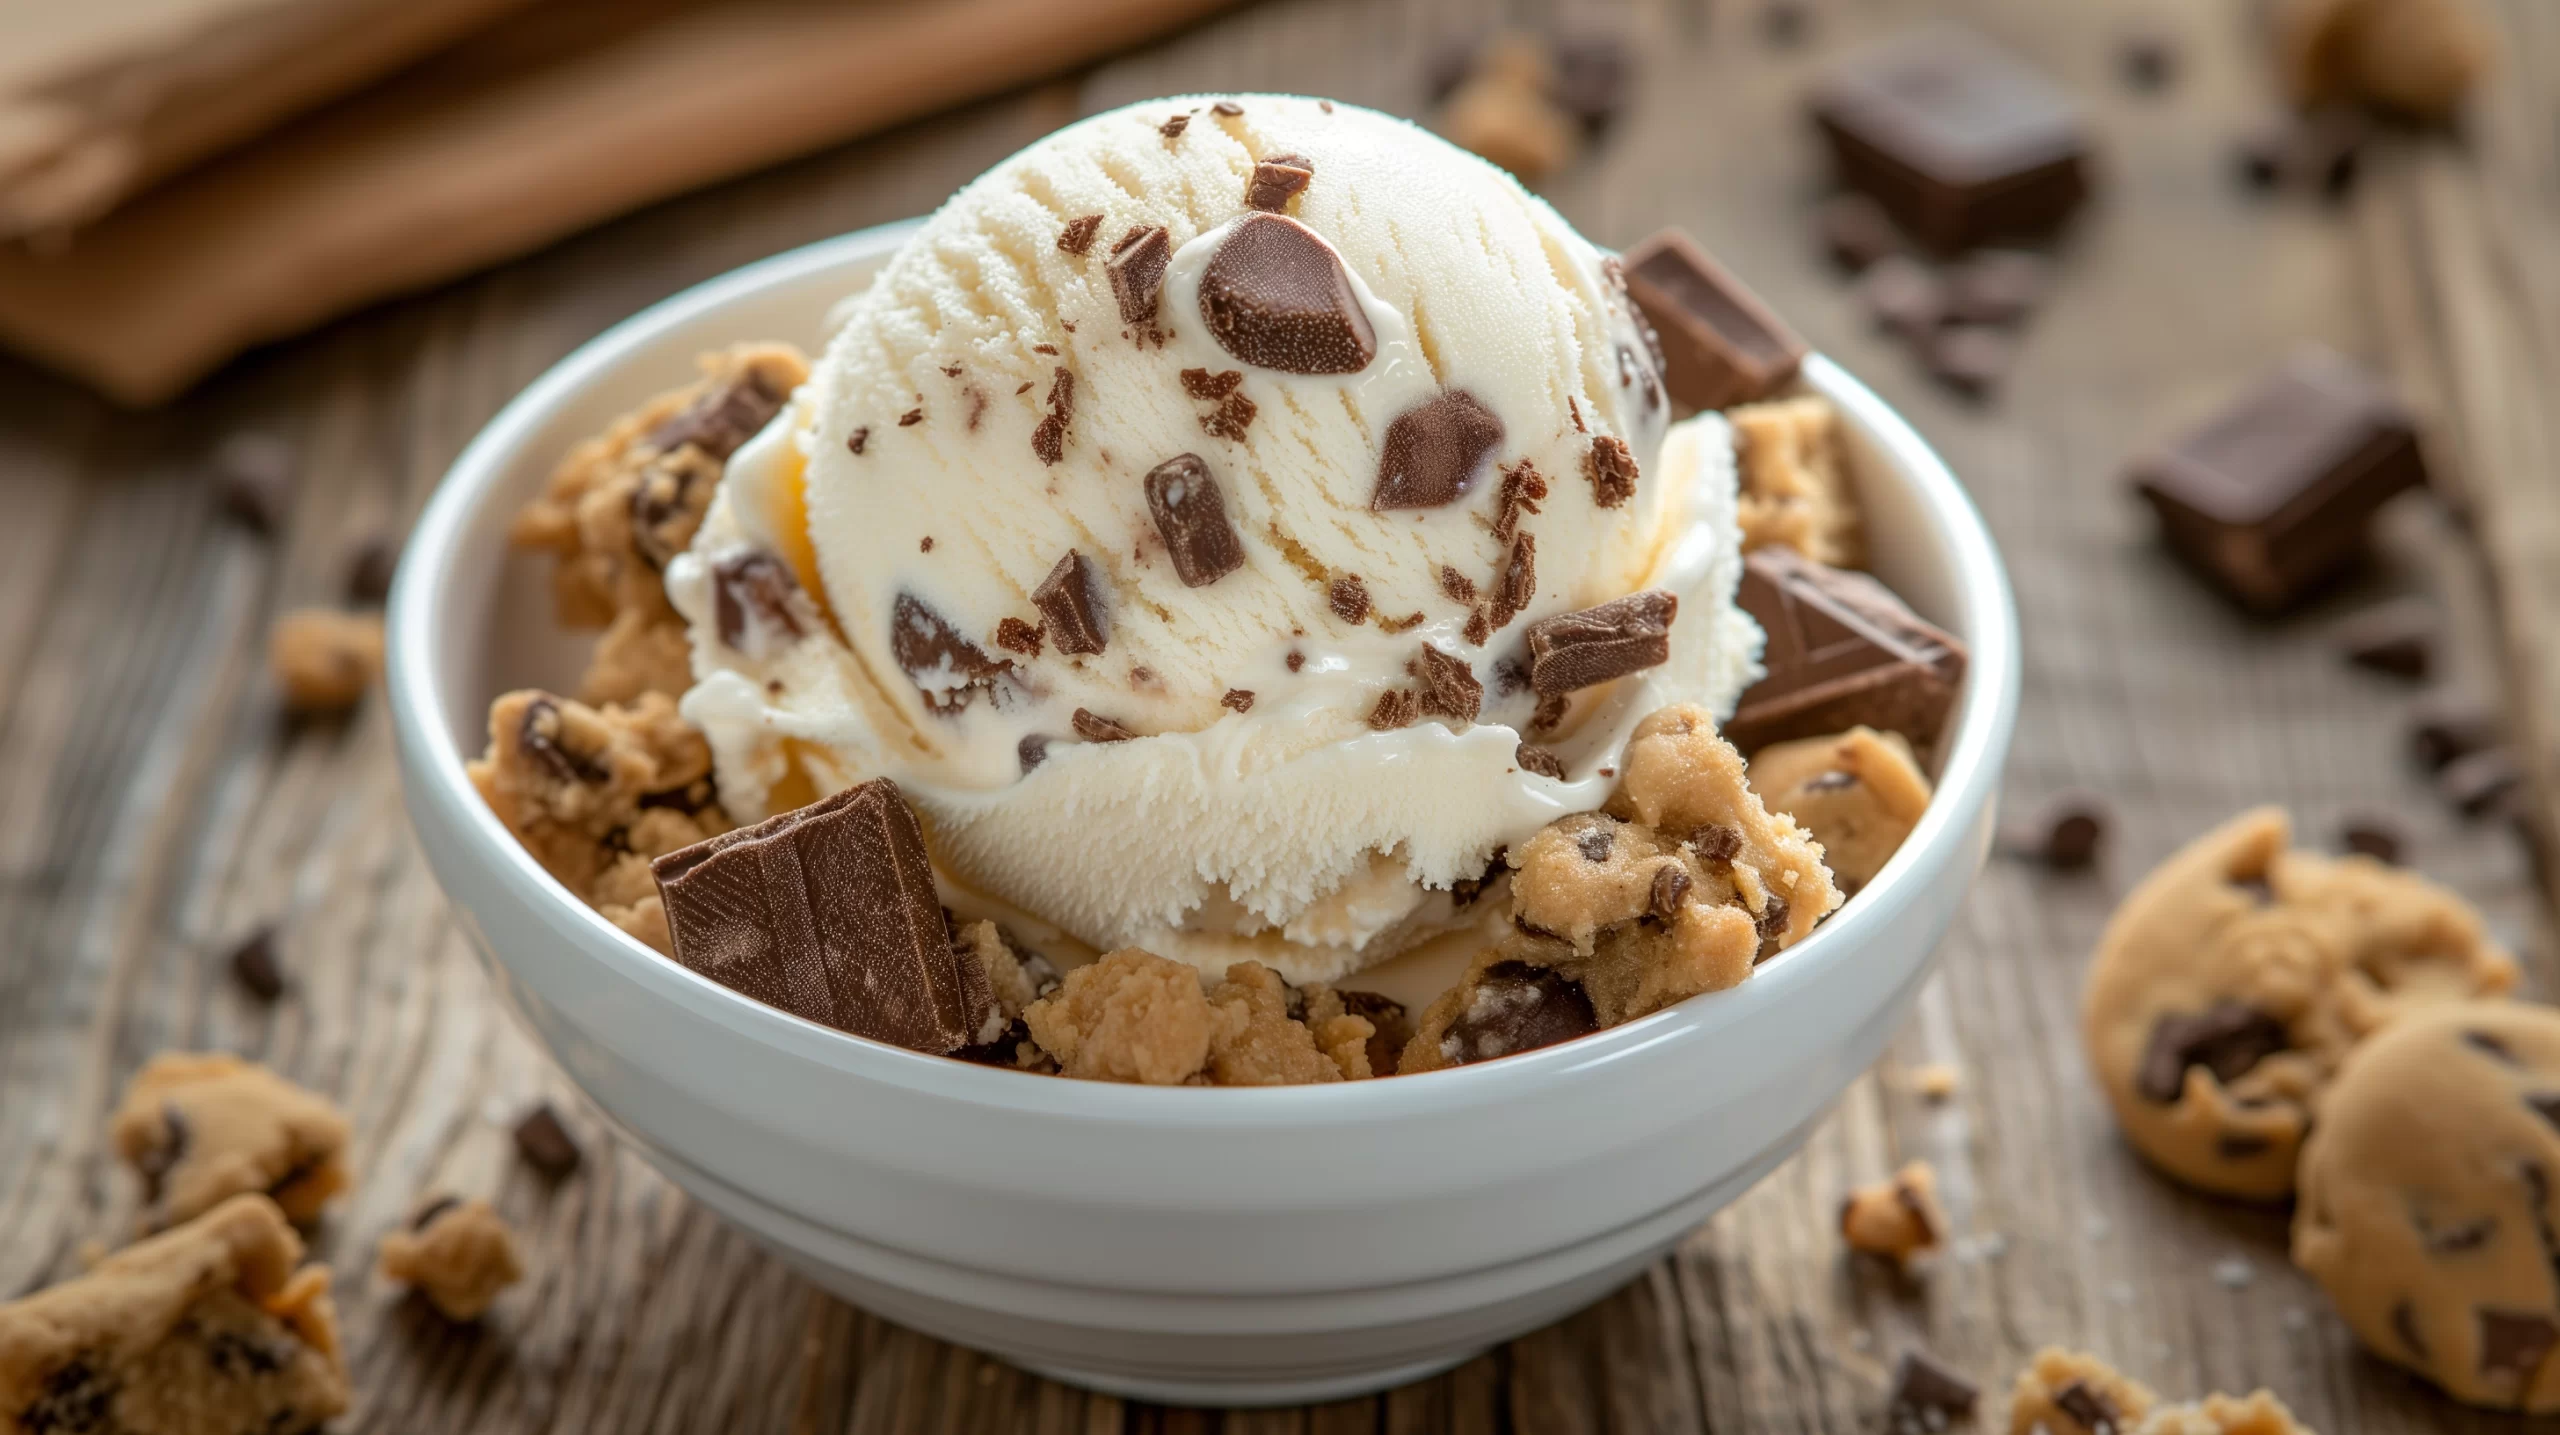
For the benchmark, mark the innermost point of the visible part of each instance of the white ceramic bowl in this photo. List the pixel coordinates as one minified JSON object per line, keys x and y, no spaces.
{"x":1194,"y":1245}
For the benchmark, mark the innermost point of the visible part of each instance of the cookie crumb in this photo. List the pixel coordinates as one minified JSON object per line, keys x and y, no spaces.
{"x":1899,"y":1219}
{"x":458,"y":1254}
{"x":1935,"y":1080}
{"x":324,"y":660}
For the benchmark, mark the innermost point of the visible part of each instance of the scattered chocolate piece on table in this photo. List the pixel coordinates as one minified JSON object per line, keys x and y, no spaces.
{"x":2450,"y":723}
{"x":1858,"y":793}
{"x":2477,"y":781}
{"x":458,"y":1254}
{"x":2372,"y":836}
{"x":2063,"y":832}
{"x":1972,"y":359}
{"x":1721,"y":344}
{"x":254,"y":966}
{"x":253,"y":477}
{"x":1928,"y":1396}
{"x":1997,"y":286}
{"x":1963,"y":142}
{"x":1794,"y":480}
{"x":1855,"y":231}
{"x":200,"y":1129}
{"x":2147,"y":62}
{"x":324,"y":660}
{"x":2276,"y":492}
{"x":1903,"y":297}
{"x":545,"y":1143}
{"x":1898,"y":1220}
{"x":1842,"y":652}
{"x":370,"y":570}
{"x":2064,"y":1392}
{"x":215,"y":1325}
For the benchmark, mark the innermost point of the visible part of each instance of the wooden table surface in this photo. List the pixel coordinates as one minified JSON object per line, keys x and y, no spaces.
{"x":153,"y":808}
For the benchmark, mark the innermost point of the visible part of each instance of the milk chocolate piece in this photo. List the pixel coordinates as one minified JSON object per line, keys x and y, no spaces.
{"x":254,"y":965}
{"x":1720,"y":344}
{"x":1276,"y":296}
{"x":1842,"y":650}
{"x":1450,"y":688}
{"x":1136,"y":267}
{"x":1191,"y":514}
{"x":1066,"y":602}
{"x":1855,"y":231}
{"x":1435,"y":451}
{"x":1928,"y":1394}
{"x":1515,"y":1007}
{"x":1959,"y":139}
{"x":1349,"y":598}
{"x":1533,"y":758}
{"x":719,"y":421}
{"x":1077,"y":237}
{"x":1903,"y":297}
{"x":2276,"y":492}
{"x":1573,"y":651}
{"x":1997,"y":286}
{"x":829,"y":912}
{"x":1276,"y":181}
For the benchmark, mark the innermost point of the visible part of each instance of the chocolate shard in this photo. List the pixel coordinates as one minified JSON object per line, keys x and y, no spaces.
{"x":1276,"y":296}
{"x":1515,"y":1007}
{"x":1136,"y":267}
{"x":1191,"y":514}
{"x":1435,"y":451}
{"x":543,"y":1140}
{"x":2397,"y":637}
{"x":254,"y":965}
{"x":1069,"y":605}
{"x":752,"y":602}
{"x":723,"y":418}
{"x":1842,"y":651}
{"x":1573,"y":651}
{"x":2275,"y":493}
{"x":1720,"y":344}
{"x":1928,"y":1394}
{"x":2228,"y":1039}
{"x":948,"y":670}
{"x":1450,"y":688}
{"x":1611,"y":467}
{"x":829,"y":912}
{"x":1962,"y":141}
{"x":1533,"y":758}
{"x":1077,"y":237}
{"x":1094,"y":727}
{"x":1276,"y":181}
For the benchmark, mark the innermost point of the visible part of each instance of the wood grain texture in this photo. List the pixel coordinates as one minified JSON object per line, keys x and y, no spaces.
{"x":153,"y":807}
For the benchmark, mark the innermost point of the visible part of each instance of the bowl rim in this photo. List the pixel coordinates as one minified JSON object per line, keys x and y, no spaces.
{"x":436,"y":787}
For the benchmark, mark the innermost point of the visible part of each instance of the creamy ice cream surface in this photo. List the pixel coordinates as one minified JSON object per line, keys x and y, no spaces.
{"x":1171,"y":519}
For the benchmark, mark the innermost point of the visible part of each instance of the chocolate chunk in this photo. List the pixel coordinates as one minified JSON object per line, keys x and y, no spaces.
{"x":545,"y":1144}
{"x":1514,"y":584}
{"x":253,"y":479}
{"x":2090,"y":1406}
{"x":1349,"y":598}
{"x":254,"y":965}
{"x":948,"y":670}
{"x":1842,"y":651}
{"x":1720,"y":344}
{"x":2397,"y":637}
{"x":1228,"y":108}
{"x":1515,"y":1007}
{"x":1396,"y":707}
{"x":1016,"y":636}
{"x":1856,"y":232}
{"x":1903,"y":297}
{"x":2450,"y":723}
{"x":1522,"y":487}
{"x":1094,"y":727}
{"x":1172,"y":129}
{"x":2276,"y":492}
{"x":1573,"y":651}
{"x":1533,"y":758}
{"x":1997,"y":286}
{"x":1238,"y":699}
{"x":856,"y":440}
{"x":829,"y":913}
{"x":1069,"y":607}
{"x":370,"y":571}
{"x":1591,"y":75}
{"x":751,"y":604}
{"x":1611,"y":467}
{"x":2374,"y":837}
{"x":1972,"y":359}
{"x":1772,"y":922}
{"x":1670,"y":888}
{"x":1435,"y":451}
{"x":1276,"y":181}
{"x":1959,"y":139}
{"x":2146,"y":62}
{"x":722,"y":419}
{"x":1191,"y":514}
{"x":1077,"y":237}
{"x":1594,"y":843}
{"x":1927,"y":1395}
{"x":2227,"y":1039}
{"x":1276,"y":296}
{"x":1459,"y":587}
{"x":2477,"y":781}
{"x":1049,"y":436}
{"x":2514,"y":1344}
{"x":911,"y":418}
{"x":1450,"y":688}
{"x":1391,"y":1028}
{"x":2064,"y":832}
{"x":1136,"y":267}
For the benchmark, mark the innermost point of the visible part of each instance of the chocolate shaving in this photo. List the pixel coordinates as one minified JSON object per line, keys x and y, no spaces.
{"x":1397,"y":707}
{"x":1094,"y":727}
{"x":857,"y":439}
{"x":911,"y":418}
{"x":1434,"y":451}
{"x":1533,"y":758}
{"x":1015,"y":635}
{"x":1450,"y":687}
{"x":1229,"y":420}
{"x":948,"y":670}
{"x":1077,"y":237}
{"x":1191,"y":514}
{"x":1515,"y":583}
{"x":1239,"y":699}
{"x":1049,"y":437}
{"x":1611,"y":467}
{"x":1573,"y":651}
{"x":1136,"y":267}
{"x":1173,"y":128}
{"x":1459,"y":587}
{"x":1349,"y":598}
{"x":1066,"y":602}
{"x":1276,"y":296}
{"x":1202,"y":384}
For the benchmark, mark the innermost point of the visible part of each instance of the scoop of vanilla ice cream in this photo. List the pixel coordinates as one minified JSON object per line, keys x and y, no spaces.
{"x":1167,"y":517}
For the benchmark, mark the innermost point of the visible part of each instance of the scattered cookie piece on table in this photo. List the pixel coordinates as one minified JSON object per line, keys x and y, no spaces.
{"x":2431,"y":1197}
{"x":2417,"y":57}
{"x":2237,"y":976}
{"x":1935,"y":1080}
{"x":1512,"y":124}
{"x":1898,"y":1220}
{"x":1795,"y":481}
{"x":212,"y":1326}
{"x":458,"y":1254}
{"x":1137,"y":1017}
{"x":2258,"y":1413}
{"x":324,"y":660}
{"x":2063,"y":1392}
{"x":1858,"y":793}
{"x":200,"y":1129}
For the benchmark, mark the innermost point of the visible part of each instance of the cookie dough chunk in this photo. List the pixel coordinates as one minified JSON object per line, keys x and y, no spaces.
{"x":2064,"y":1392}
{"x":1898,"y":1220}
{"x":204,"y":1128}
{"x":1134,"y":1016}
{"x":2431,"y":1200}
{"x":1017,"y":977}
{"x":595,"y":794}
{"x":324,"y":660}
{"x":2258,"y":1413}
{"x":458,"y":1254}
{"x":623,"y":503}
{"x":2237,"y":976}
{"x":1859,"y":793}
{"x":208,"y":1327}
{"x":1795,"y":481}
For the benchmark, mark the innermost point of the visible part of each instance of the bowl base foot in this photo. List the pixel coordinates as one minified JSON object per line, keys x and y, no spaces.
{"x":1248,"y":1392}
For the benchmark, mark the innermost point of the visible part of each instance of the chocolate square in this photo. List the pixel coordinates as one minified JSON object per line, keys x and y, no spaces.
{"x":1720,"y":344}
{"x":1843,"y":650}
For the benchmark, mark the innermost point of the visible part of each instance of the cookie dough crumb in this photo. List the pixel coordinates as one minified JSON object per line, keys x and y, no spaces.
{"x":203,"y":1128}
{"x":2420,"y":57}
{"x":1935,"y":1080}
{"x":458,"y":1254}
{"x":1859,"y":793}
{"x":2064,"y":1392}
{"x":324,"y":660}
{"x":1899,"y":1219}
{"x":1135,"y":1016}
{"x":1795,"y":481}
{"x":2257,"y":1413}
{"x":209,"y":1326}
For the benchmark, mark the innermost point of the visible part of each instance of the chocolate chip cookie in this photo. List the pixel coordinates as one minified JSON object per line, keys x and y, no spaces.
{"x":201,"y":1129}
{"x":2236,"y":977}
{"x":2430,"y":1202}
{"x":458,"y":1254}
{"x":1859,"y":793}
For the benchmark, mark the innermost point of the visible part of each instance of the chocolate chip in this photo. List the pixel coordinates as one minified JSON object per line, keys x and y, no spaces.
{"x":1927,"y":1395}
{"x":1276,"y":296}
{"x":2090,"y":1406}
{"x":1275,"y":182}
{"x":1067,"y":603}
{"x":1049,"y":436}
{"x":911,"y":418}
{"x":2398,"y":638}
{"x":1202,"y":384}
{"x":2374,"y":837}
{"x":1172,"y":129}
{"x":1522,"y":487}
{"x":1295,"y":660}
{"x":1595,"y":842}
{"x":1136,"y":267}
{"x":1016,"y":636}
{"x":1855,"y":231}
{"x":1533,"y":758}
{"x":722,"y":418}
{"x":2450,"y":723}
{"x":751,"y":604}
{"x":254,"y":965}
{"x":1450,"y":688}
{"x":1716,"y":842}
{"x":370,"y":571}
{"x":1611,"y":467}
{"x":2476,"y":782}
{"x":1349,"y":598}
{"x":1515,"y":1007}
{"x":1515,"y":583}
{"x":1396,"y":707}
{"x":1239,"y":699}
{"x":948,"y":670}
{"x":1191,"y":514}
{"x":1032,"y":751}
{"x":1094,"y":727}
{"x":253,"y":479}
{"x":1390,"y":1028}
{"x":1670,"y":888}
{"x":1772,"y":922}
{"x":544,"y":1143}
{"x":2515,"y":1344}
{"x":857,"y":439}
{"x":2064,"y":832}
{"x":1077,"y":237}
{"x":2228,"y":1039}
{"x":538,"y":735}
{"x":1572,"y":651}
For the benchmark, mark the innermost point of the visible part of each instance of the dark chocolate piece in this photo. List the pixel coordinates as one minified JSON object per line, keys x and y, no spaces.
{"x":1842,"y":651}
{"x":1049,"y":436}
{"x":1573,"y":651}
{"x":253,"y":479}
{"x":1276,"y":181}
{"x":1458,"y":586}
{"x":2450,"y":723}
{"x":1720,"y":344}
{"x":2398,"y":637}
{"x":2276,"y":492}
{"x":1228,"y":108}
{"x":1276,"y":296}
{"x":1390,"y":1027}
{"x":1595,"y":842}
{"x":2090,"y":1406}
{"x":1191,"y":514}
{"x":1903,"y":297}
{"x":2478,"y":781}
{"x":829,"y":913}
{"x":1515,"y":1007}
{"x":254,"y":965}
{"x":1172,"y":129}
{"x":370,"y":571}
{"x":2064,"y":832}
{"x":1136,"y":267}
{"x":1068,"y":607}
{"x":1611,"y":467}
{"x":856,"y":440}
{"x":1094,"y":727}
{"x":751,"y":604}
{"x":1077,"y":237}
{"x":1450,"y":688}
{"x":1435,"y":451}
{"x":1016,"y":636}
{"x":543,"y":1140}
{"x":1671,"y":885}
{"x":1962,"y":141}
{"x":722,"y":419}
{"x":1928,"y":1396}
{"x":1855,"y":231}
{"x":948,"y":670}
{"x":2226,"y":1039}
